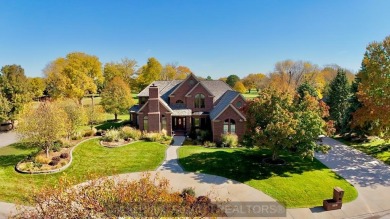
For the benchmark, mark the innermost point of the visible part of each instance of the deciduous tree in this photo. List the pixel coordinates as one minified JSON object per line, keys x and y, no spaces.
{"x":231,"y":80}
{"x":76,"y":116}
{"x":239,"y":87}
{"x":14,"y":86}
{"x":116,"y":97}
{"x":5,"y":107}
{"x":277,"y":122}
{"x":36,"y":86}
{"x":42,"y":125}
{"x":74,"y":76}
{"x":255,"y":81}
{"x":374,"y":89}
{"x":124,"y":69}
{"x":149,"y":73}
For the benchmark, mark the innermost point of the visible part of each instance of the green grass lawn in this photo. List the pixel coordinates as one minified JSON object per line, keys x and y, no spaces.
{"x":89,"y":158}
{"x":300,"y":183}
{"x":252,"y":94}
{"x":378,"y":148}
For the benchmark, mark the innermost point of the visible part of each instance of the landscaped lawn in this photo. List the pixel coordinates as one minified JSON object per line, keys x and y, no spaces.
{"x":379,"y":148}
{"x":300,"y":183}
{"x":251,"y":95}
{"x":89,"y":158}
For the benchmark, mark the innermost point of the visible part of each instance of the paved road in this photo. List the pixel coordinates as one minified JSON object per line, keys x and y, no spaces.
{"x":7,"y":138}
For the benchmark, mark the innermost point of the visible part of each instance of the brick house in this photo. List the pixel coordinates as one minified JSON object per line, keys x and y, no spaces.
{"x":182,"y":106}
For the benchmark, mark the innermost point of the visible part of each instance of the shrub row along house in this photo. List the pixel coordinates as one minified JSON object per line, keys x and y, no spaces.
{"x":185,"y":106}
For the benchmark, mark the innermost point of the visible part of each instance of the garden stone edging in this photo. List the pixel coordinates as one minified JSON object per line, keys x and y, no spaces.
{"x":55,"y":170}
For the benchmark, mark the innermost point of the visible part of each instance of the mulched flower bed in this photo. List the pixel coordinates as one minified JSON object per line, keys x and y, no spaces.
{"x":40,"y":163}
{"x":115,"y":144}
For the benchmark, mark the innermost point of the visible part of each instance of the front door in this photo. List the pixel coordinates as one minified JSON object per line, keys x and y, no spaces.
{"x":179,"y":123}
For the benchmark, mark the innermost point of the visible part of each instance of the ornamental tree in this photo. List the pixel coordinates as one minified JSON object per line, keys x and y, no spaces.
{"x":374,"y":89}
{"x":239,"y":87}
{"x":42,"y":125}
{"x":76,"y":116}
{"x":278,"y":122}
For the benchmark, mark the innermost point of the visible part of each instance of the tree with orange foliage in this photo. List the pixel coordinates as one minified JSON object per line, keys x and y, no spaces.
{"x":374,"y":90}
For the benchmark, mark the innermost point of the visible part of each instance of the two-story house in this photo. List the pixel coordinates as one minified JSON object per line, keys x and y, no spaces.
{"x":180,"y":106}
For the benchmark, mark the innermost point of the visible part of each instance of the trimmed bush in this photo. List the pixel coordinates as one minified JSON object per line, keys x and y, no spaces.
{"x":111,"y":135}
{"x":64,"y":155}
{"x":130,"y":133}
{"x":56,"y":158}
{"x":230,"y":140}
{"x":152,"y":136}
{"x":53,"y":162}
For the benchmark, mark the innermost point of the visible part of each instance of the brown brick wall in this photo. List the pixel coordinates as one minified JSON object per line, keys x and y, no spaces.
{"x":229,"y":113}
{"x":180,"y":93}
{"x":190,"y":100}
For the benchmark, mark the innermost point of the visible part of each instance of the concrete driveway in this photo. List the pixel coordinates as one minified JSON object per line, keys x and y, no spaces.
{"x":7,"y":138}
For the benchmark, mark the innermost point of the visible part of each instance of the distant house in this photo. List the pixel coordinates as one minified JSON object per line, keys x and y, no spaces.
{"x":182,"y":106}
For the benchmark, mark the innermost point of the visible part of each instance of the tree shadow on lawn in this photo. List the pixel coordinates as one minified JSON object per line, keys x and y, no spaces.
{"x":112,"y":124}
{"x":245,"y":165}
{"x":10,"y":160}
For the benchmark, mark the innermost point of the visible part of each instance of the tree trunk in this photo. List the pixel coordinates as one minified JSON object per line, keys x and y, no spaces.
{"x":274,"y":155}
{"x":116,"y":116}
{"x":47,"y":151}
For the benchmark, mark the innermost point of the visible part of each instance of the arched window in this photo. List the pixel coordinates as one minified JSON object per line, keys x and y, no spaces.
{"x":199,"y":101}
{"x":146,"y":124}
{"x":229,"y":126}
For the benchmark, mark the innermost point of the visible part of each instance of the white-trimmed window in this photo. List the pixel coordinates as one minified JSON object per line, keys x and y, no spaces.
{"x":146,"y":123}
{"x":229,"y":126}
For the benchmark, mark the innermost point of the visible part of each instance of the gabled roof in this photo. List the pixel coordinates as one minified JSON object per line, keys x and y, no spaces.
{"x":160,"y":101}
{"x":189,"y":76}
{"x":224,"y":103}
{"x":164,"y":87}
{"x":216,"y":87}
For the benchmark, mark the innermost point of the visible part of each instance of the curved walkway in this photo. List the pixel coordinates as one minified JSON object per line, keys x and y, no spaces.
{"x":7,"y":138}
{"x":370,"y":177}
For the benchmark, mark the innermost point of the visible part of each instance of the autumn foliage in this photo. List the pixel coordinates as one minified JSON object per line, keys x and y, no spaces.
{"x":117,"y":197}
{"x":282,"y":122}
{"x":374,"y":90}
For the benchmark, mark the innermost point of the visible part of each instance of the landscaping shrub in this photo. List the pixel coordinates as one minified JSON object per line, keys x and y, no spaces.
{"x":53,"y":162}
{"x":230,"y":140}
{"x":153,"y":136}
{"x":188,"y":191}
{"x":57,"y":145}
{"x":209,"y":144}
{"x":111,"y":135}
{"x":64,"y":155}
{"x":130,"y":133}
{"x":90,"y":132}
{"x":113,"y":198}
{"x":65,"y":143}
{"x":157,"y":137}
{"x":56,"y":158}
{"x":77,"y":136}
{"x":42,"y":159}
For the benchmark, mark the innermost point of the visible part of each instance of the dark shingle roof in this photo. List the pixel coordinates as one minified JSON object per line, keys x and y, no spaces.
{"x":217,"y":88}
{"x":223,"y":103}
{"x":164,"y":87}
{"x":180,"y":110}
{"x":134,"y":108}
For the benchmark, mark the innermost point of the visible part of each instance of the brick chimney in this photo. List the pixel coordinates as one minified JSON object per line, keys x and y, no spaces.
{"x":154,"y":109}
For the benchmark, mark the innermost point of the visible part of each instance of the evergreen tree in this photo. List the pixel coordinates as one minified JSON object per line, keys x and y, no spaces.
{"x":306,"y":87}
{"x":338,"y":100}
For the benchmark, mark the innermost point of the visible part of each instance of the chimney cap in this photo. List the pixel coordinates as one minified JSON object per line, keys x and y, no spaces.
{"x":153,"y":85}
